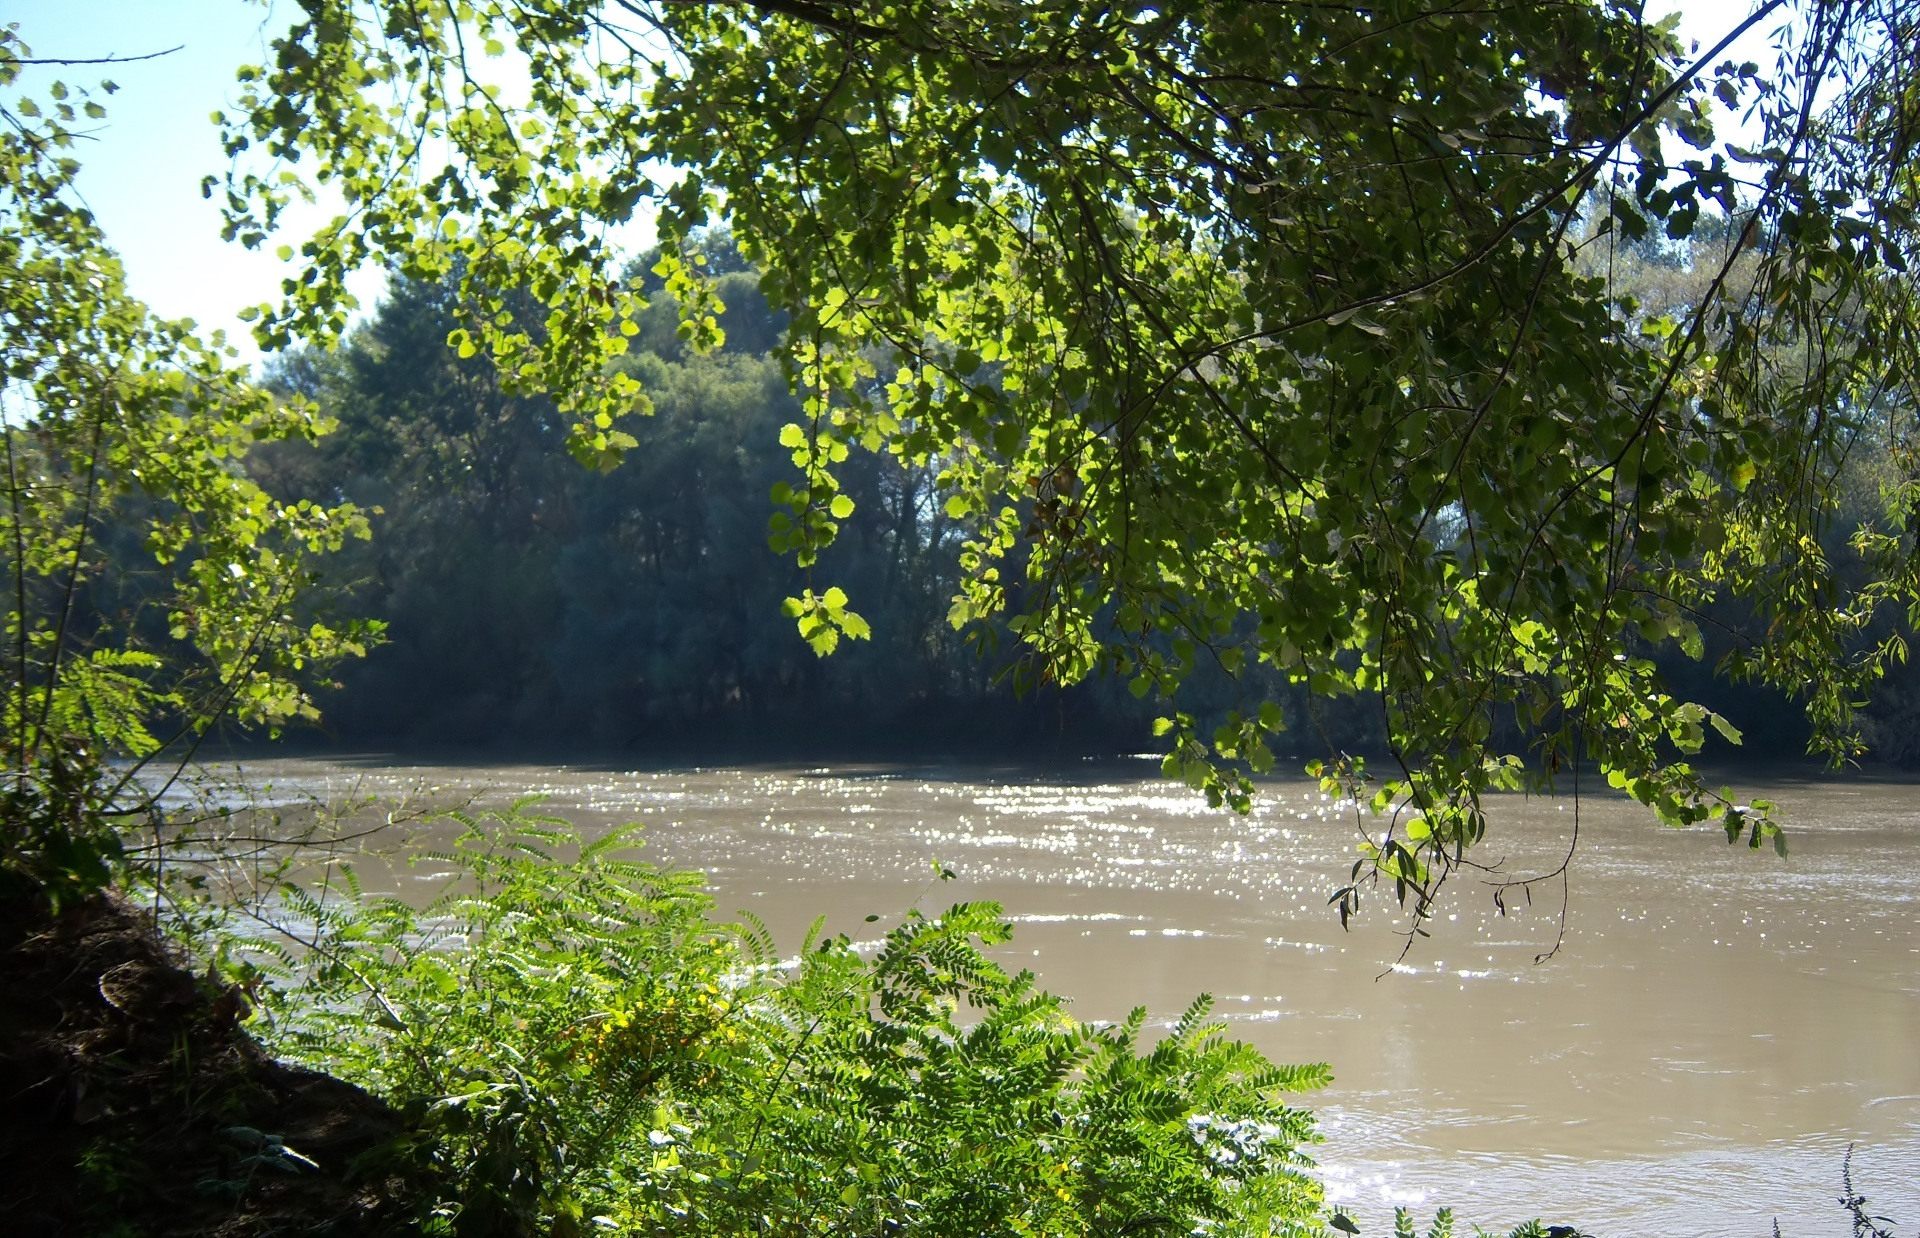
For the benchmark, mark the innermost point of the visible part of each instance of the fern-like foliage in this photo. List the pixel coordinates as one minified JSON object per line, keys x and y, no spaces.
{"x":587,"y":1050}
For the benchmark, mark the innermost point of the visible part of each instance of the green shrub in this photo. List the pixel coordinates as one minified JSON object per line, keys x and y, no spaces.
{"x":587,"y":1050}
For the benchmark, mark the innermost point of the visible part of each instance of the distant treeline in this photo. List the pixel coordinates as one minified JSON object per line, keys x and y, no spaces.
{"x":530,"y":601}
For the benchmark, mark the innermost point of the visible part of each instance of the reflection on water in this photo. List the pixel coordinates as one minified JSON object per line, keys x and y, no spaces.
{"x":1715,"y":1030}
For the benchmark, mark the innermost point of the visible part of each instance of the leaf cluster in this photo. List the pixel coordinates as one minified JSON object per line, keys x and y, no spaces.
{"x":123,"y":437}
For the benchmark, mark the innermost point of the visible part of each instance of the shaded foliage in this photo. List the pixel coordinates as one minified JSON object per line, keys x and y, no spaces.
{"x":527,"y":598}
{"x":641,"y":606}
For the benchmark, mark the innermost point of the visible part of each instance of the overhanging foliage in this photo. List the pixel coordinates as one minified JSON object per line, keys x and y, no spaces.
{"x":1260,"y":328}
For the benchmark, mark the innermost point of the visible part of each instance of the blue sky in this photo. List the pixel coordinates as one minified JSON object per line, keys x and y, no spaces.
{"x":143,"y":165}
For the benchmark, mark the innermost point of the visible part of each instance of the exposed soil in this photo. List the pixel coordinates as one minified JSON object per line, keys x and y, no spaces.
{"x":133,"y":1104}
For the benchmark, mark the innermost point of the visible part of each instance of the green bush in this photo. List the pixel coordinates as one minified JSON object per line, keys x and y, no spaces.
{"x":587,"y":1050}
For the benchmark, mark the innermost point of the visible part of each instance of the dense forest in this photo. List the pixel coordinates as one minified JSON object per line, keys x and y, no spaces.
{"x":638,"y":608}
{"x":528,"y":600}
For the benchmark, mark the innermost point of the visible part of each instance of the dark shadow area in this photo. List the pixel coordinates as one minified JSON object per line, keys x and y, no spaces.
{"x":132,"y":1103}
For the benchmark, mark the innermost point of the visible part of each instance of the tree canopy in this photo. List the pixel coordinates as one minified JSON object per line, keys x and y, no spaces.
{"x":1235,"y":332}
{"x":152,"y":588}
{"x":639,"y":606}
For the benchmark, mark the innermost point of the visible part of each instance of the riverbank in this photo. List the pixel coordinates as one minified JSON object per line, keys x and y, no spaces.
{"x":132,"y":1100}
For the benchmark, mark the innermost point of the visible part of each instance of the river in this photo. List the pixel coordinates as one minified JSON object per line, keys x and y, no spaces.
{"x":1715,"y":1030}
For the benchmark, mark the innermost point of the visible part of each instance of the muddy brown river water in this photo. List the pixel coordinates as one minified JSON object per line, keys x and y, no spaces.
{"x":1718,"y":1026}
